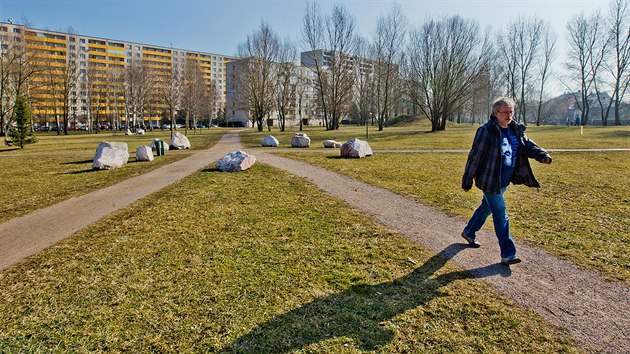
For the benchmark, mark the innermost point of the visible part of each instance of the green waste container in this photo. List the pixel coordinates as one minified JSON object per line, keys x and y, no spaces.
{"x":159,"y":147}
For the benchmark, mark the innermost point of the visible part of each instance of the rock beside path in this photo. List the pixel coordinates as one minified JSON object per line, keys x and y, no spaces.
{"x":236,"y":161}
{"x":300,"y":140}
{"x":356,"y":148}
{"x":110,"y":155}
{"x":179,"y":141}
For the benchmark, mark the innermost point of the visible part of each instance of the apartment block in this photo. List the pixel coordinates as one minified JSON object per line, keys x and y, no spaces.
{"x":88,"y":77}
{"x":302,"y":101}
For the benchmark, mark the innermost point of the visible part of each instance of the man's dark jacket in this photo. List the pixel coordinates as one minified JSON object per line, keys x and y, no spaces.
{"x":485,"y":158}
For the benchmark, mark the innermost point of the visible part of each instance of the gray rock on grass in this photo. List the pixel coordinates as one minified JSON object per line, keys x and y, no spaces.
{"x":300,"y":140}
{"x":236,"y":161}
{"x":355,"y":148}
{"x":179,"y":141}
{"x":271,"y":141}
{"x":110,"y":155}
{"x":332,"y":144}
{"x":144,"y":153}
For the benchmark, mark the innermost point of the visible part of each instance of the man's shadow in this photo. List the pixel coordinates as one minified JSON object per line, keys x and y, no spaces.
{"x":359,"y":311}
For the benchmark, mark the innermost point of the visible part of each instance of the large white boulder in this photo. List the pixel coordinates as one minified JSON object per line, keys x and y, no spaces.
{"x":270,"y":140}
{"x":110,"y":155}
{"x":356,"y":148}
{"x":179,"y":141}
{"x":300,"y":140}
{"x":144,"y":153}
{"x":332,"y":144}
{"x":140,"y":131}
{"x":127,"y":132}
{"x":236,"y":161}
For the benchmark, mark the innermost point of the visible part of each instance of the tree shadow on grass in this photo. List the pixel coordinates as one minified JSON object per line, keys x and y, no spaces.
{"x":81,"y":172}
{"x":9,"y":149}
{"x":616,"y":134}
{"x":210,"y":169}
{"x":77,"y":162}
{"x":358,"y":312}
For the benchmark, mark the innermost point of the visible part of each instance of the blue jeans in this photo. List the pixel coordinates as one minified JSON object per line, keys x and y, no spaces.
{"x":493,"y":204}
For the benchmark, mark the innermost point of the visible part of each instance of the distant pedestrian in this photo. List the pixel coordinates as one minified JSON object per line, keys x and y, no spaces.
{"x":499,"y":155}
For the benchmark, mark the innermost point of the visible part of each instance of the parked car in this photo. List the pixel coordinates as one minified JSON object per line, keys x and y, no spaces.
{"x":166,"y":126}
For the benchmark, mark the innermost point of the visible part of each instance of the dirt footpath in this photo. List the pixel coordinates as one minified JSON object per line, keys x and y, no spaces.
{"x":594,"y":310}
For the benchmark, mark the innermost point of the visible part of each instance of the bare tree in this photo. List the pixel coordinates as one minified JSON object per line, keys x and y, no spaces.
{"x":114,"y":90}
{"x":445,"y":60}
{"x":169,"y":93}
{"x":389,"y":40}
{"x":549,"y":40}
{"x":587,"y":44}
{"x":137,"y":89}
{"x":255,"y":76}
{"x":193,"y":92}
{"x":519,"y":50}
{"x":332,"y":40}
{"x":303,"y":100}
{"x":17,"y":65}
{"x":620,"y":32}
{"x":286,"y":81}
{"x":364,"y":92}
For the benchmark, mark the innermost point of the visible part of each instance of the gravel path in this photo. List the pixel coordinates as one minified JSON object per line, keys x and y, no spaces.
{"x":594,"y":310}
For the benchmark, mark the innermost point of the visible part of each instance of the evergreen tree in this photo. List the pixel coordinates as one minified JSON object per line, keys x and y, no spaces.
{"x":21,"y":134}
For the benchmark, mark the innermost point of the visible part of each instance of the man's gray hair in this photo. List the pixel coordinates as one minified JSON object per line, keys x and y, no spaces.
{"x":502,"y":101}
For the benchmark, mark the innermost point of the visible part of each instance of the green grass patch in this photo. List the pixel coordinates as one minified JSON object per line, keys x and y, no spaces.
{"x":60,"y":167}
{"x":254,"y":267}
{"x":580,"y":213}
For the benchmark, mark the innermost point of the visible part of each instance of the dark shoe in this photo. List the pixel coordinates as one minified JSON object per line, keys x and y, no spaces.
{"x":472,"y":242}
{"x":510,"y":260}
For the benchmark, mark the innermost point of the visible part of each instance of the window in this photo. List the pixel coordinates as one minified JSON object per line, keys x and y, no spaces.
{"x":16,"y":30}
{"x":82,"y":40}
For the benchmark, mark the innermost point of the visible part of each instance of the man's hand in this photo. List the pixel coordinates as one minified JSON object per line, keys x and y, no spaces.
{"x":546,"y":160}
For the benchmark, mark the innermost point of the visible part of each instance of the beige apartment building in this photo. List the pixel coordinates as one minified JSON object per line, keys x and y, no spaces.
{"x":91,"y":80}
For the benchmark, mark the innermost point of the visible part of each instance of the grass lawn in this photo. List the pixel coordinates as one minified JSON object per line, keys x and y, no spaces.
{"x":456,"y":136}
{"x":580,"y":213}
{"x":241,"y":269}
{"x":60,"y":167}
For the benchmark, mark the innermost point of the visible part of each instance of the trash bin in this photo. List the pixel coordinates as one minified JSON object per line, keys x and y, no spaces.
{"x":159,"y":147}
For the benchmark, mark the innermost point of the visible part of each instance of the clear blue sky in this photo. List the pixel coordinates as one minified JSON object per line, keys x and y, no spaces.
{"x":217,"y":26}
